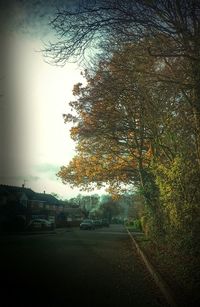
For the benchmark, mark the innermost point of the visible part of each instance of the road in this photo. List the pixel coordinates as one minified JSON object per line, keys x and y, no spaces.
{"x":95,"y":268}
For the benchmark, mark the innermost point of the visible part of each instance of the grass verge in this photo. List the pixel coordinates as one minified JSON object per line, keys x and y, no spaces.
{"x":181,"y":273}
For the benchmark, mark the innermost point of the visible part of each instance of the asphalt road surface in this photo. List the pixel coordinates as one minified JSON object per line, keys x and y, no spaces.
{"x":91,"y":268}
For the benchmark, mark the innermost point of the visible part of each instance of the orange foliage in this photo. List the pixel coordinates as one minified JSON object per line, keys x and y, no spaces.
{"x":112,"y":142}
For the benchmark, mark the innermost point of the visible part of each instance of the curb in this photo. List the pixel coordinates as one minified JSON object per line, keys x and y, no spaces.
{"x":164,"y":288}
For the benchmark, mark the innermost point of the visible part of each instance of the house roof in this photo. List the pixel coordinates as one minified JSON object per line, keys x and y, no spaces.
{"x":16,"y":192}
{"x":50,"y":199}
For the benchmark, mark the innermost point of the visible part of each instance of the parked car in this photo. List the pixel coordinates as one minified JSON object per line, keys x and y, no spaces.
{"x":40,"y":224}
{"x":87,"y":224}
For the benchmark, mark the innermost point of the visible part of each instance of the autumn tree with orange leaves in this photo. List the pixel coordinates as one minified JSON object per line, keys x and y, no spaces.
{"x":84,"y":29}
{"x":137,"y":119}
{"x":117,"y":126}
{"x":130,"y":130}
{"x":113,"y":139}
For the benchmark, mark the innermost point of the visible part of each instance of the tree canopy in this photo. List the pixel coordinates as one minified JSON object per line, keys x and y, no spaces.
{"x":170,"y":29}
{"x":136,"y":121}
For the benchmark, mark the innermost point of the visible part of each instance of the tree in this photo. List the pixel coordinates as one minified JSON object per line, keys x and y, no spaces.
{"x":106,"y":111}
{"x":138,"y":117}
{"x":85,"y":202}
{"x":113,"y":126}
{"x":110,"y":208}
{"x":173,"y":25}
{"x":131,"y":129}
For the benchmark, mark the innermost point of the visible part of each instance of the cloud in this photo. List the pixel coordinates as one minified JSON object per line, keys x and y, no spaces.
{"x":33,"y":178}
{"x":48,"y":170}
{"x":18,"y":180}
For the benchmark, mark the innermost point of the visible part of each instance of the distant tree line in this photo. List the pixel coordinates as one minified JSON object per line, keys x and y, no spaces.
{"x":99,"y":207}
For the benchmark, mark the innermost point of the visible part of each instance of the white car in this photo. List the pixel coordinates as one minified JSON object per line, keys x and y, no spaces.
{"x":87,"y":224}
{"x":40,"y":224}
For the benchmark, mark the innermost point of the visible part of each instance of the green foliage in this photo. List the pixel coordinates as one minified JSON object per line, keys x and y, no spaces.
{"x":177,"y":182}
{"x":134,"y":225}
{"x":145,"y":224}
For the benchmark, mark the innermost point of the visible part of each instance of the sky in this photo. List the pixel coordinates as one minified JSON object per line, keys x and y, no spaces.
{"x":34,"y":140}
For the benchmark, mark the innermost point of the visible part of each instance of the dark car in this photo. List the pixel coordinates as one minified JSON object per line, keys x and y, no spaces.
{"x":87,"y":224}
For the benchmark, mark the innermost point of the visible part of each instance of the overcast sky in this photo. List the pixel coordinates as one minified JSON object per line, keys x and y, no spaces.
{"x":35,"y":142}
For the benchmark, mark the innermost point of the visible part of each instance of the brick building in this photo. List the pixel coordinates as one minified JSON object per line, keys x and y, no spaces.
{"x":18,"y":205}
